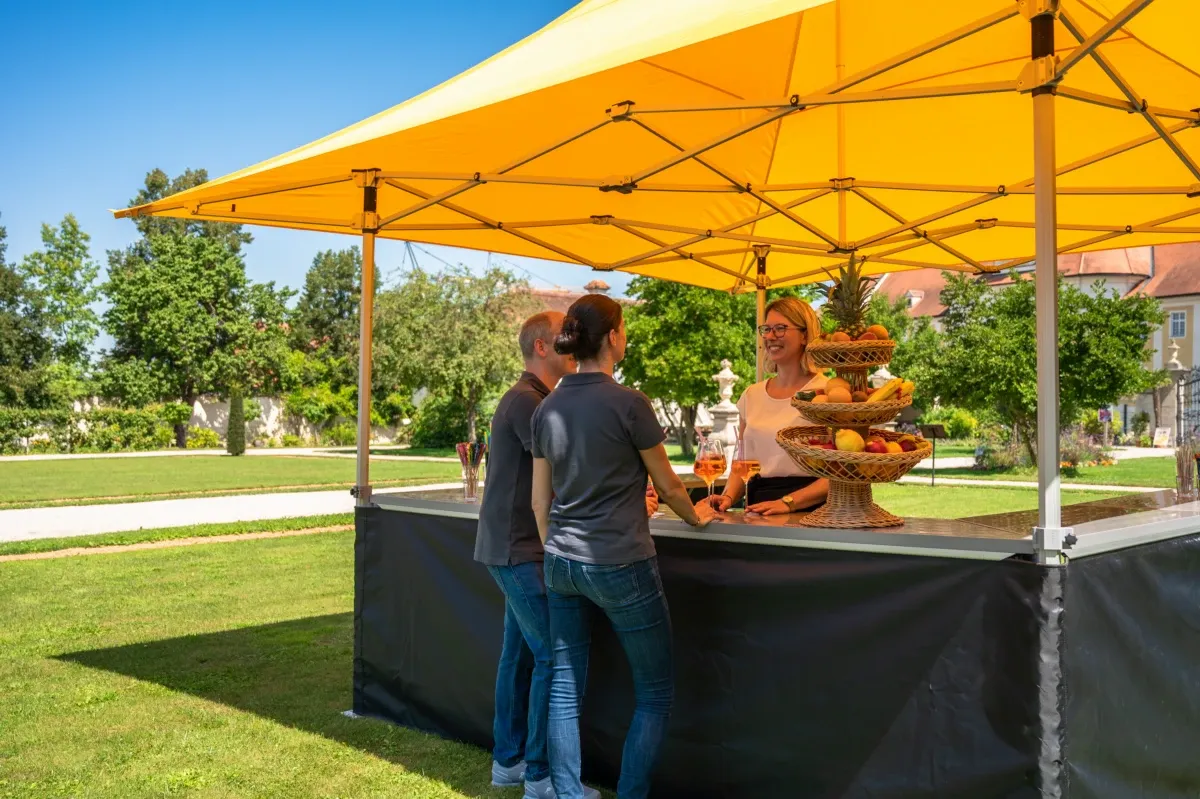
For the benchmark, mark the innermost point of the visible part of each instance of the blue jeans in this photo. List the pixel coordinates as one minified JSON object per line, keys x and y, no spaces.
{"x":631,"y":596}
{"x":523,"y":679}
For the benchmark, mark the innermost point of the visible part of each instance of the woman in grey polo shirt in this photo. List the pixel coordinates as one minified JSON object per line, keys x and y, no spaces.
{"x":594,"y":442}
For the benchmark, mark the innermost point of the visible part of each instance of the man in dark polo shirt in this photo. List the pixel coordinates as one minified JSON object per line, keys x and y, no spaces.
{"x":507,"y":543}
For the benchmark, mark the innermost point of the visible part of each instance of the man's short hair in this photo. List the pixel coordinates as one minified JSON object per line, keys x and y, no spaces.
{"x":538,"y":326}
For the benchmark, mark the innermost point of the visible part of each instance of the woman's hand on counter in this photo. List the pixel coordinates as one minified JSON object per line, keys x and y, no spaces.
{"x":718,"y":502}
{"x":704,"y":515}
{"x":774,"y":508}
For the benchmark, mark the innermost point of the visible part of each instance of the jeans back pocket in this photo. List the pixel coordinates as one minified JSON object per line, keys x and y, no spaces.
{"x":612,"y":585}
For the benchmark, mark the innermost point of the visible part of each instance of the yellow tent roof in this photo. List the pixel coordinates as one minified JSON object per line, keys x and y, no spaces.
{"x":665,"y":137}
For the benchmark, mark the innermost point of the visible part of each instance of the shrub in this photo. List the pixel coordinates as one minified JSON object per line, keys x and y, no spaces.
{"x":174,"y":413}
{"x":291,"y":440}
{"x":203,"y":438}
{"x":1091,"y":424}
{"x":438,"y":423}
{"x":958,"y":422}
{"x":253,"y":410}
{"x":992,"y":455}
{"x":1139,"y":424}
{"x":1076,"y":448}
{"x":341,"y":435}
{"x":235,"y":430}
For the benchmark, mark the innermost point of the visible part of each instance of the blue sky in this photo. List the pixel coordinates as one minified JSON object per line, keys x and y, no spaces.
{"x":96,"y":94}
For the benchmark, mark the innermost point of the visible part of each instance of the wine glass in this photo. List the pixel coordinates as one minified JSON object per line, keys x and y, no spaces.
{"x":710,"y":462}
{"x":744,"y":466}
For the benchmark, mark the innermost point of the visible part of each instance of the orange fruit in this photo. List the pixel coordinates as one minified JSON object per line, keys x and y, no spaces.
{"x":840,"y":337}
{"x":892,"y":446}
{"x":880,"y":332}
{"x":819,"y":398}
{"x":837,"y":382}
{"x":839,"y":394}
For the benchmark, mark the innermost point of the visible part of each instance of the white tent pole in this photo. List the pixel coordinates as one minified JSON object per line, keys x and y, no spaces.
{"x":1048,"y":536}
{"x":366,"y":312}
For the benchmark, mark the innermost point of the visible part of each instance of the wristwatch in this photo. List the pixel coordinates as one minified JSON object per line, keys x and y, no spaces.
{"x":787,"y":500}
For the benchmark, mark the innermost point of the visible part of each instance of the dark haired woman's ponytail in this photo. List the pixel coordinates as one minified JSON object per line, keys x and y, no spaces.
{"x":567,"y":340}
{"x":588,"y":322}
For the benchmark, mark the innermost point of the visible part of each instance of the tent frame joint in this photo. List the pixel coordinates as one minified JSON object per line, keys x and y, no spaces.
{"x":1038,"y":8}
{"x":1039,"y":75}
{"x":620,"y":112}
{"x":842,"y":184}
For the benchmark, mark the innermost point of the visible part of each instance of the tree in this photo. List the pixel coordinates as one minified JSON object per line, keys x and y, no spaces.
{"x":25,"y":345}
{"x":327,"y":314}
{"x":917,"y":343}
{"x":158,"y":186}
{"x":678,"y":336}
{"x":65,"y":274}
{"x":987,"y":360}
{"x":452,"y":333}
{"x":185,"y":321}
{"x":235,"y":430}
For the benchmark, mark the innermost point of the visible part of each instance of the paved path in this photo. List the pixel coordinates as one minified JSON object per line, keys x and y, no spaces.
{"x":29,"y":523}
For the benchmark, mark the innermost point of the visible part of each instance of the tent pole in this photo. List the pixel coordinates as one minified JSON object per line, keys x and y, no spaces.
{"x":760,"y":313}
{"x":1048,"y":535}
{"x":366,"y":312}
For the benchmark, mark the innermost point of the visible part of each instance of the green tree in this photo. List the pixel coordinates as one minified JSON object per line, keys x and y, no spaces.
{"x":158,"y":185}
{"x":453,"y":333}
{"x":987,"y":360}
{"x":185,"y":320}
{"x":65,"y":274}
{"x":326,"y":317}
{"x":917,"y":343}
{"x":678,"y":336}
{"x":25,"y":345}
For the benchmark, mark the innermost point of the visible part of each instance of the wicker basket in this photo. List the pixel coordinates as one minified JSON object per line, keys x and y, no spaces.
{"x":850,"y":476}
{"x":851,"y":414}
{"x":851,"y":354}
{"x":853,"y":467}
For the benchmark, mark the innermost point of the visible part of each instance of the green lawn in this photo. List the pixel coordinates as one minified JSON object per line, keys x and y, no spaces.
{"x":222,"y":676}
{"x":1158,"y":472}
{"x":42,"y":481}
{"x":956,"y":502}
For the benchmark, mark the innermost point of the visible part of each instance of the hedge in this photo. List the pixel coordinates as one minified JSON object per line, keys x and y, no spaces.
{"x":101,"y":430}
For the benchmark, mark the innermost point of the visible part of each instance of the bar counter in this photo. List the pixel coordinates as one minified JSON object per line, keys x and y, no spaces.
{"x":940,"y":659}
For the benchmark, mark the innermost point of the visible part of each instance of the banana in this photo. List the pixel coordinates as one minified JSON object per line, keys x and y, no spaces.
{"x":886,"y":390}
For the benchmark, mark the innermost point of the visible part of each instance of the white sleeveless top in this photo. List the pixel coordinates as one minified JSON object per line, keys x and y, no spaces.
{"x":764,"y":416}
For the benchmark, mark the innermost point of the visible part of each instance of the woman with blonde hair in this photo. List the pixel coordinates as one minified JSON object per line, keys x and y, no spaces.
{"x":781,"y":486}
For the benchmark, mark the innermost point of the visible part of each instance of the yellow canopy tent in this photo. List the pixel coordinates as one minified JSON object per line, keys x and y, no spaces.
{"x":683,"y":139}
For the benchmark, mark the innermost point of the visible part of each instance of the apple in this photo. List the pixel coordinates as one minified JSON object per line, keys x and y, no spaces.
{"x":908,"y":445}
{"x":876,"y":446}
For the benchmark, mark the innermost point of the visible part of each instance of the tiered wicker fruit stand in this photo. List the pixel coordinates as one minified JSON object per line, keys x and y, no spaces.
{"x":850,"y":474}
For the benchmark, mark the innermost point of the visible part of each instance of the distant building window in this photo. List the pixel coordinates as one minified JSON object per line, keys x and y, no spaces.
{"x":1178,"y":324}
{"x":914,"y":296}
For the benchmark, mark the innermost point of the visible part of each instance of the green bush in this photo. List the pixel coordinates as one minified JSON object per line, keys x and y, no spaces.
{"x":174,"y":413}
{"x":291,"y":440}
{"x":203,"y":438}
{"x":235,"y":430}
{"x":958,"y":423}
{"x":1076,"y":448}
{"x":320,"y":404}
{"x":253,"y":410}
{"x":438,"y":423}
{"x":341,"y":435}
{"x":1139,"y":425}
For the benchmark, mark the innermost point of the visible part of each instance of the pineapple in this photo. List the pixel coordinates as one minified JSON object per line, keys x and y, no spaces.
{"x":848,"y":300}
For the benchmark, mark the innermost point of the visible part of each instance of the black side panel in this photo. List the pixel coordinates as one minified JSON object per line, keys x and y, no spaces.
{"x":1133,"y":672}
{"x":800,"y":672}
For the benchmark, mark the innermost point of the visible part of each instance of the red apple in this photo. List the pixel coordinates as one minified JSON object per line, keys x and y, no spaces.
{"x":908,"y":446}
{"x":876,"y":446}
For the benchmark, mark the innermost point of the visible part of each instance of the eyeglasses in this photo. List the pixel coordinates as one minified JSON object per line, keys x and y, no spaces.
{"x":779,"y":330}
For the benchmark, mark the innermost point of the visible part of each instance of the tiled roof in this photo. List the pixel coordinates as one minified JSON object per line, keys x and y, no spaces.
{"x":1176,"y":269}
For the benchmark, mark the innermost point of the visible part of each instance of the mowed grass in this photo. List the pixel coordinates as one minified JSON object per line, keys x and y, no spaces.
{"x":217,"y":671}
{"x":93,"y":478}
{"x":1156,"y":472}
{"x":959,"y":502}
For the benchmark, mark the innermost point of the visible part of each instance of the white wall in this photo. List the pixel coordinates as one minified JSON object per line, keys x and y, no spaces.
{"x":211,"y":413}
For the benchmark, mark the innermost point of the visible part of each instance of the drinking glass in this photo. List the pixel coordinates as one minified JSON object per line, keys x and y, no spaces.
{"x":744,"y":466}
{"x":710,"y":462}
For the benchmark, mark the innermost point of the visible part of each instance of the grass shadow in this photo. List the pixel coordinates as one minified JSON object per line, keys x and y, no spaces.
{"x":297,"y":673}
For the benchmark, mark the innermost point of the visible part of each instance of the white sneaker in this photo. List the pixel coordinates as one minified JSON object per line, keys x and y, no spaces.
{"x":544,"y":789}
{"x":510,"y":777}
